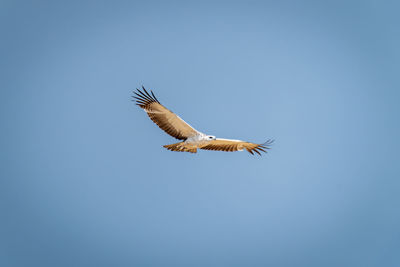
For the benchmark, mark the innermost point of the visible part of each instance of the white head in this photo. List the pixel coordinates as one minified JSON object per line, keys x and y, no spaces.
{"x":210,"y":137}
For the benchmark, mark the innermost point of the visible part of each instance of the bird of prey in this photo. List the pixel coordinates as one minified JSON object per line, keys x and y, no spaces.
{"x":192,"y":139}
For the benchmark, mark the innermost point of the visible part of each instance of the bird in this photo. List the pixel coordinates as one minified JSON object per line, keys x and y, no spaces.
{"x":191,"y":139}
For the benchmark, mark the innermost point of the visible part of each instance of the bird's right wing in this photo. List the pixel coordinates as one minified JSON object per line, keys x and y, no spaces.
{"x":168,"y":121}
{"x":236,"y":145}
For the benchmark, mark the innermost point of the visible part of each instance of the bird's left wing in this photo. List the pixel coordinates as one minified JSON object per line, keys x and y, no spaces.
{"x":236,"y":145}
{"x":168,"y":121}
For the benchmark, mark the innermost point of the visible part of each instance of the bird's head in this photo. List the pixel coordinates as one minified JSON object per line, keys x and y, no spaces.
{"x":211,"y":137}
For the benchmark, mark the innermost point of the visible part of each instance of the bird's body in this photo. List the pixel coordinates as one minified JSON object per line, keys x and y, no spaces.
{"x":191,"y":138}
{"x":192,"y":143}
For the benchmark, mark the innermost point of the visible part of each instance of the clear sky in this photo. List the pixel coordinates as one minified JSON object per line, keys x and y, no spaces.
{"x":85,"y":180}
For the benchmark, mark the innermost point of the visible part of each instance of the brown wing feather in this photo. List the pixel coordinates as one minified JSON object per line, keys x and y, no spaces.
{"x":164,"y":118}
{"x":235,"y":145}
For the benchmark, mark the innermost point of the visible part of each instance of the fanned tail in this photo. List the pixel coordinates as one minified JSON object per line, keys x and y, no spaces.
{"x":180,"y":147}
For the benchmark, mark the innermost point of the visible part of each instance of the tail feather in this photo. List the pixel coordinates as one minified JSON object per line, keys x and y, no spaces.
{"x":180,"y":147}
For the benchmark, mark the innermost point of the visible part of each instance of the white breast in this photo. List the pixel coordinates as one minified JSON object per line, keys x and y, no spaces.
{"x":197,"y":139}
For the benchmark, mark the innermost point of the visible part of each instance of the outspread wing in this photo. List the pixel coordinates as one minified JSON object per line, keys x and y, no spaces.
{"x":168,"y":121}
{"x":236,"y":145}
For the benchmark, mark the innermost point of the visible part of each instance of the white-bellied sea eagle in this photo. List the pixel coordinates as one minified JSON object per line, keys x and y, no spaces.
{"x":192,"y":139}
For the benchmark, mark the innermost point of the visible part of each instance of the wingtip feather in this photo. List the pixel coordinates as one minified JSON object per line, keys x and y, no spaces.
{"x":143,"y":97}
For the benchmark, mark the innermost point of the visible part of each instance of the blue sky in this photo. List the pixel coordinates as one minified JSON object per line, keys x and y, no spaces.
{"x":85,"y":180}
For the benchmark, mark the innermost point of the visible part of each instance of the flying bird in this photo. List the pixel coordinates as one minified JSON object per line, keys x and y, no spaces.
{"x":192,"y":139}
